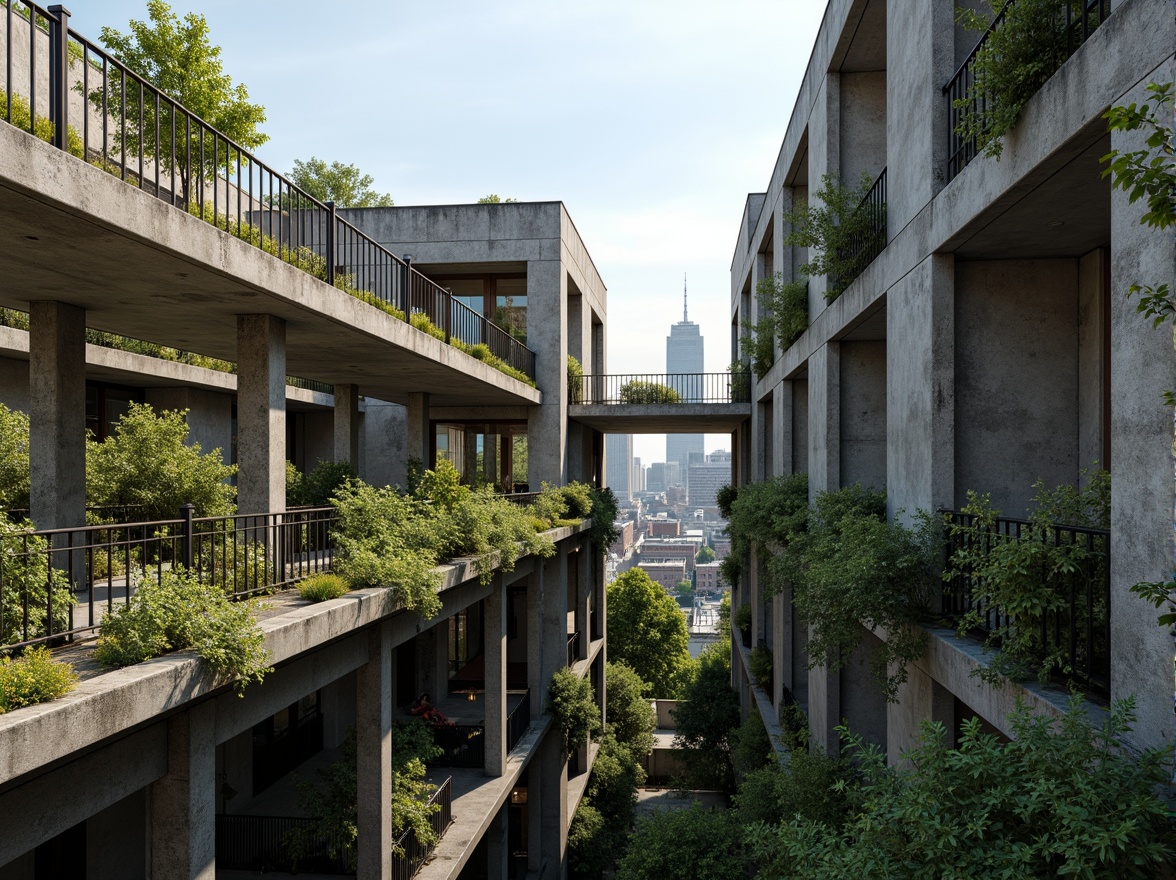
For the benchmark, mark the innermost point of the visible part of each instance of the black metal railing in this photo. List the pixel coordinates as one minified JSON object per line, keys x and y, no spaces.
{"x":573,"y":648}
{"x":869,"y":234}
{"x":518,"y":721}
{"x":59,"y":583}
{"x":462,"y":745}
{"x":645,"y":388}
{"x":67,"y":90}
{"x":1073,"y":23}
{"x":262,"y":843}
{"x":405,"y":866}
{"x":1080,"y":629}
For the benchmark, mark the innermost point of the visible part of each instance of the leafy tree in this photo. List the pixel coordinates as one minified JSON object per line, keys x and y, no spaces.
{"x":1062,"y":798}
{"x":573,"y":705}
{"x":493,"y":199}
{"x":178,"y":58}
{"x":612,"y":789}
{"x":751,"y":747}
{"x":631,"y":718}
{"x":809,"y":785}
{"x":14,"y":459}
{"x":318,"y":487}
{"x":345,"y":185}
{"x":684,"y":845}
{"x":333,"y":799}
{"x":147,"y":463}
{"x":647,"y":633}
{"x":705,"y":554}
{"x":706,"y":716}
{"x":591,"y":843}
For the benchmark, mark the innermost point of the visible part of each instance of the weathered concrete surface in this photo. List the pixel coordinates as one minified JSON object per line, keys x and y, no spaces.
{"x":183,"y":802}
{"x":57,"y":422}
{"x":639,"y":418}
{"x":373,"y":740}
{"x":261,"y":413}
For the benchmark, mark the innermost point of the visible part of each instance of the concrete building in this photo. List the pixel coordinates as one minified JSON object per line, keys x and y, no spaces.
{"x":988,"y":344}
{"x":660,"y":476}
{"x":618,"y":450}
{"x":132,"y":774}
{"x":637,"y":476}
{"x":671,"y":548}
{"x":684,"y":356}
{"x":707,"y":478}
{"x":666,"y":572}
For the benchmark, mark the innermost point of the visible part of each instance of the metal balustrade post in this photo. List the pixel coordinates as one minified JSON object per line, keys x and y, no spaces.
{"x":58,"y":72}
{"x":330,"y":246}
{"x":186,"y":536}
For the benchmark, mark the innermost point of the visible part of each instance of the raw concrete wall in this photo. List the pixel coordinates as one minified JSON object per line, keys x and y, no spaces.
{"x":863,"y":126}
{"x":385,"y":444}
{"x":863,"y":705}
{"x":800,"y":407}
{"x":863,"y":414}
{"x":14,"y":384}
{"x":1093,"y":368}
{"x":210,"y":415}
{"x":1016,"y":378}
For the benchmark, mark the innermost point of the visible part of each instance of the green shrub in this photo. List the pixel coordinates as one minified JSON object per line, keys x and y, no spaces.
{"x":39,"y":126}
{"x":575,"y":381}
{"x":761,"y":665}
{"x":573,"y":706}
{"x":1062,"y":798}
{"x":638,"y":391}
{"x":740,"y":382}
{"x":147,"y":463}
{"x":318,"y":487}
{"x":764,"y":517}
{"x":322,"y":587}
{"x":853,"y":569}
{"x":1035,"y":578}
{"x":684,"y":845}
{"x":751,"y":747}
{"x":830,"y":224}
{"x":177,"y":612}
{"x":783,"y":311}
{"x":14,"y":459}
{"x":809,"y":785}
{"x":630,"y":714}
{"x":706,"y":718}
{"x":28,"y":581}
{"x":743,"y":619}
{"x":34,"y":677}
{"x":591,"y":844}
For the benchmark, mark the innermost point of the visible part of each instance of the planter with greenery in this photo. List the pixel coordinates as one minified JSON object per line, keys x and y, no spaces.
{"x":179,"y":611}
{"x":761,"y":667}
{"x":783,"y":311}
{"x":639,"y":391}
{"x":575,"y":381}
{"x":1043,"y":576}
{"x":322,"y":587}
{"x":831,"y":224}
{"x":743,"y":623}
{"x":33,"y":677}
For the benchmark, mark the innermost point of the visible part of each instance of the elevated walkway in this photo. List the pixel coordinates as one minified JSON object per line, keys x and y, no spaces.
{"x":665,"y":403}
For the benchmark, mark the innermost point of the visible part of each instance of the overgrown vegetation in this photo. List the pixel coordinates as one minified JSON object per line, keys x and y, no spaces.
{"x":763,"y":518}
{"x":1062,"y":798}
{"x":14,"y":459}
{"x":33,"y":677}
{"x":575,"y":381}
{"x":833,"y":225}
{"x":1044,"y":575}
{"x":322,"y":587}
{"x":147,"y":464}
{"x":647,"y":633}
{"x":783,"y":316}
{"x":761,"y":666}
{"x":740,"y":381}
{"x":684,"y":845}
{"x":638,"y":391}
{"x":318,"y":487}
{"x":179,"y":611}
{"x":1014,"y":60}
{"x":573,"y":706}
{"x":333,"y":798}
{"x":706,"y":717}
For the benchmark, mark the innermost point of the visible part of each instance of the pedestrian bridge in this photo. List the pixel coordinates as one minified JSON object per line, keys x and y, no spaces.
{"x":661,"y":403}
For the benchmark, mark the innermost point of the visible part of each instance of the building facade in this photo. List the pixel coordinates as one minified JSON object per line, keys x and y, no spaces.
{"x":619,"y":466}
{"x":684,"y":356}
{"x":146,"y":771}
{"x":985,"y":341}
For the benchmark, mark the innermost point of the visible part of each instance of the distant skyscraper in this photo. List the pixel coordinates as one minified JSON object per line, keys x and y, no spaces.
{"x":683,"y":355}
{"x":707,"y":477}
{"x":618,"y":463}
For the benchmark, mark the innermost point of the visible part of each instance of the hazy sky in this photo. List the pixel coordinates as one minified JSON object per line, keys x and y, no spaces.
{"x":650,"y":119}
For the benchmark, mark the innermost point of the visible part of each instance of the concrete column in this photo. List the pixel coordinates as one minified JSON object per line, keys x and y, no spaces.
{"x":554,"y":786}
{"x":57,"y":423}
{"x":781,"y":428}
{"x":469,"y":471}
{"x":781,"y":646}
{"x":432,"y":660}
{"x":920,"y":388}
{"x":824,"y":419}
{"x":1142,"y":368}
{"x":506,"y":462}
{"x":373,"y":730}
{"x":555,"y":615}
{"x":419,"y":439}
{"x":535,"y":819}
{"x":920,"y":699}
{"x":547,"y":295}
{"x":490,"y":458}
{"x":535,"y":636}
{"x":347,"y":424}
{"x":261,"y":414}
{"x":583,"y":596}
{"x":498,"y":845}
{"x":182,"y":809}
{"x":494,"y":621}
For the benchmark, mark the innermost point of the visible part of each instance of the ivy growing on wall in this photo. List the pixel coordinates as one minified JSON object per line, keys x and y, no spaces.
{"x":829,"y":225}
{"x":783,"y":310}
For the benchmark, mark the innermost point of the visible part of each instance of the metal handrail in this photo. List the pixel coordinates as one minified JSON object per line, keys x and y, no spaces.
{"x":220,"y":180}
{"x":658,"y":388}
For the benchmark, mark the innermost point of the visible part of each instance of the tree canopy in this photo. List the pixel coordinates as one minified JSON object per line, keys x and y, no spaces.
{"x":706,"y":717}
{"x":705,"y":554}
{"x":179,"y":59}
{"x":630,"y":716}
{"x":345,"y":185}
{"x":647,"y":633}
{"x":493,"y":199}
